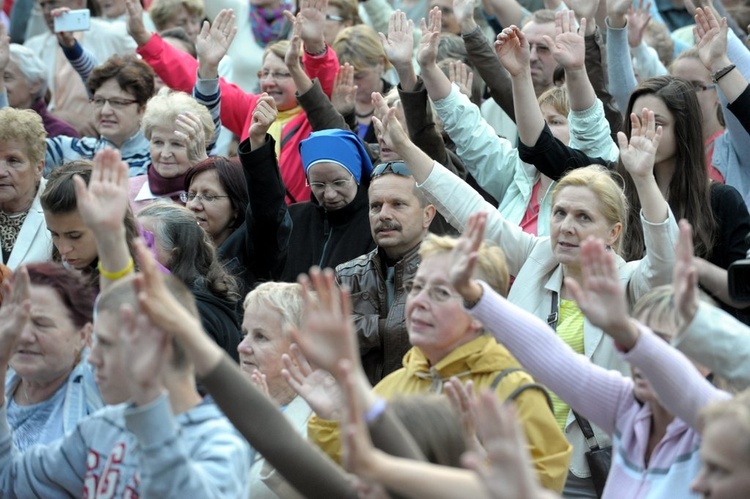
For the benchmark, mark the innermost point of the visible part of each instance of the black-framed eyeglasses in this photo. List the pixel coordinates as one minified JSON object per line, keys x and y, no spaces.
{"x":396,"y":167}
{"x":114,"y":102}
{"x":192,"y":196}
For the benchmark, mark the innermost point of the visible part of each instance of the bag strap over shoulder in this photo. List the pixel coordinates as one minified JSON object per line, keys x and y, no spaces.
{"x":519,"y":390}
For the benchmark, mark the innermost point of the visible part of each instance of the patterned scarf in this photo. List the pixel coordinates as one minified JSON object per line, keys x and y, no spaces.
{"x":10,"y":226}
{"x":267,"y":22}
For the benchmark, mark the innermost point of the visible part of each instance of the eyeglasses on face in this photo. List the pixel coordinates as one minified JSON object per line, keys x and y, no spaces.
{"x":114,"y":103}
{"x":396,"y":167}
{"x":206,"y":198}
{"x":336,"y":185}
{"x":437,"y":293}
{"x":276,"y":75}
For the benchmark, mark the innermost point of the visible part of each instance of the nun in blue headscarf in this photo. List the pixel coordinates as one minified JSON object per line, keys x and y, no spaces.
{"x":333,"y":227}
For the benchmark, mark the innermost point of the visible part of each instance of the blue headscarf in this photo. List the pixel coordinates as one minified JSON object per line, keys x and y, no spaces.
{"x":336,"y":146}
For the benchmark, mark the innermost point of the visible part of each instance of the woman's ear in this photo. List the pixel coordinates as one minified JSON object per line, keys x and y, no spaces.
{"x":86,"y":334}
{"x":614,"y":234}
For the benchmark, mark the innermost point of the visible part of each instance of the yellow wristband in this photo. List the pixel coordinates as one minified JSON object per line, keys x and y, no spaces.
{"x":113,"y":276}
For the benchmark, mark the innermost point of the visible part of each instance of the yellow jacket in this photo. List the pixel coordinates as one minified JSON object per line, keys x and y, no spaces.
{"x":480,"y":360}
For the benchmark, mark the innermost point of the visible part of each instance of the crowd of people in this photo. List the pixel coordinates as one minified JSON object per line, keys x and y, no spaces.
{"x":407,"y":248}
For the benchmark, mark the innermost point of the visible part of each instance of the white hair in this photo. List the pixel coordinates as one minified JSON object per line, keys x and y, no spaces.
{"x":31,"y":67}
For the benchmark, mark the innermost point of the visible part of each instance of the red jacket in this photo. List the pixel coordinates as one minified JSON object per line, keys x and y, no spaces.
{"x":179,"y":71}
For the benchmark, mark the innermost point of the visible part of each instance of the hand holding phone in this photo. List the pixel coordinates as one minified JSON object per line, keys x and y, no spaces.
{"x":73,"y":20}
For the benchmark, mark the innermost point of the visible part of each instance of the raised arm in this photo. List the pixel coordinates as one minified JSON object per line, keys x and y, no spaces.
{"x":619,"y":64}
{"x":437,"y":84}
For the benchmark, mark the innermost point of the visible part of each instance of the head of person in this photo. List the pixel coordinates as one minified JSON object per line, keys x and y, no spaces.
{"x":435,"y":318}
{"x":434,"y":425}
{"x":106,"y":354}
{"x":336,"y":164}
{"x":171,"y":154}
{"x":449,"y":23}
{"x":400,"y":214}
{"x":340,"y":14}
{"x":112,"y":9}
{"x":270,"y":309}
{"x":554,"y":106}
{"x":586,"y":202}
{"x":25,"y":77}
{"x":185,"y":14}
{"x":216,"y":192}
{"x":688,"y":66}
{"x":539,"y":24}
{"x":74,"y":243}
{"x":120,"y":89}
{"x":360,"y":46}
{"x":52,"y":343}
{"x":681,"y":152}
{"x":725,"y":449}
{"x":22,"y":151}
{"x":186,"y":249}
{"x":274,"y":76}
{"x":47,"y":6}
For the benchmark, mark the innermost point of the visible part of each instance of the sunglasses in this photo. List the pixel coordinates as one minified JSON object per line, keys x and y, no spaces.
{"x":395,"y":167}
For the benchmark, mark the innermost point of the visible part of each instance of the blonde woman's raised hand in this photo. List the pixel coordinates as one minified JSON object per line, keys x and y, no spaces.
{"x":104,"y":202}
{"x":463,"y":257}
{"x":189,"y":129}
{"x":317,"y":386}
{"x":568,"y":48}
{"x":399,"y":44}
{"x":428,"y":45}
{"x":344,"y":94}
{"x":14,"y":313}
{"x":512,"y":49}
{"x":213,"y":42}
{"x":639,"y":154}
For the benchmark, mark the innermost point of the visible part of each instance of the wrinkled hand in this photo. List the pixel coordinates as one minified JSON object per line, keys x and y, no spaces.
{"x":327,"y":333}
{"x":134,"y":22}
{"x":507,"y":469}
{"x":428,"y":45}
{"x":639,"y":155}
{"x":317,"y":386}
{"x":711,"y":39}
{"x":460,"y":74}
{"x":14,"y":313}
{"x":188,"y":127}
{"x":638,"y":19}
{"x":399,"y":45}
{"x":104,"y":202}
{"x":685,"y":278}
{"x":344,"y":92}
{"x":512,"y":49}
{"x":264,"y":115}
{"x":464,"y":12}
{"x":601,"y":296}
{"x":568,"y":48}
{"x":144,"y":351}
{"x":214,"y":40}
{"x":387,"y":126}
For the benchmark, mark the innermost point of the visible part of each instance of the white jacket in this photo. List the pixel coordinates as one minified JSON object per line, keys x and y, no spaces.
{"x":34,"y":243}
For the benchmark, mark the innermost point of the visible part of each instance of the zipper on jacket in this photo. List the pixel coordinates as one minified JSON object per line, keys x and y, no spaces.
{"x":327,"y":235}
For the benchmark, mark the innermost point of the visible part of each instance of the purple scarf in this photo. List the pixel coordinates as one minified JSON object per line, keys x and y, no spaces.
{"x":267,"y":22}
{"x":166,"y":187}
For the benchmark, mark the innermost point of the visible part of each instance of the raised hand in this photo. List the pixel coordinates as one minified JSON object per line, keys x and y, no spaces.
{"x":327,"y":333}
{"x":260,"y":381}
{"x":506,"y":469}
{"x":463,"y":257}
{"x":104,"y":202}
{"x":134,"y":22}
{"x":317,"y":386}
{"x":601,"y":296}
{"x":189,"y":128}
{"x":685,"y":277}
{"x":399,"y":45}
{"x":213,"y":42}
{"x":293,"y":56}
{"x":568,"y":48}
{"x":464,"y":12}
{"x":428,"y":45}
{"x":312,"y":19}
{"x":584,"y":9}
{"x":512,"y":49}
{"x":711,"y":39}
{"x":357,"y":447}
{"x":14,"y":314}
{"x":387,"y":126}
{"x":264,"y":115}
{"x":617,"y":10}
{"x":344,"y":92}
{"x":638,"y":19}
{"x":64,"y":38}
{"x":460,"y":74}
{"x":464,"y":402}
{"x":639,"y":154}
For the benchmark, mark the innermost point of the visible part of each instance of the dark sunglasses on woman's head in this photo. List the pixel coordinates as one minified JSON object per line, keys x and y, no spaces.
{"x":396,"y":167}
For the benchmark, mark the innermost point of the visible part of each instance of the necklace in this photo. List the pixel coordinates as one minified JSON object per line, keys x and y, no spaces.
{"x":365,"y":115}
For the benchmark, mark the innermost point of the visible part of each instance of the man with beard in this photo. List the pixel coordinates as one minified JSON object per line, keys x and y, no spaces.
{"x":399,"y":219}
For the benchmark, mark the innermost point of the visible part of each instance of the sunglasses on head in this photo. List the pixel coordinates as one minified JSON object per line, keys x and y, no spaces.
{"x":395,"y":167}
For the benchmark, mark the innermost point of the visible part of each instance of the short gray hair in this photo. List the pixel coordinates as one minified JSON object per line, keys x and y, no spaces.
{"x":31,"y":67}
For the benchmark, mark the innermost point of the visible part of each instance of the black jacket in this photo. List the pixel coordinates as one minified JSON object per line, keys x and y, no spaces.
{"x":220,"y":320}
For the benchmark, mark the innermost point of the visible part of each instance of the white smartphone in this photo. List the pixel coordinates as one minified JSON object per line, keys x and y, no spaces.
{"x":73,"y":20}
